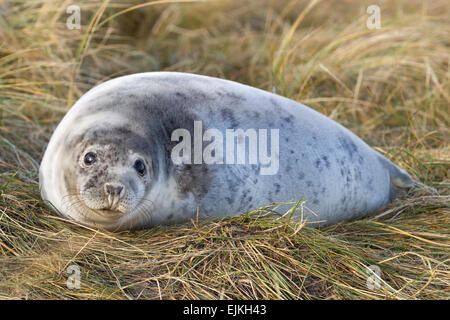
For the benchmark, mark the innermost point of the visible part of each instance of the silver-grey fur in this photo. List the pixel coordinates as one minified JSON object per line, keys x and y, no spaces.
{"x":133,"y":117}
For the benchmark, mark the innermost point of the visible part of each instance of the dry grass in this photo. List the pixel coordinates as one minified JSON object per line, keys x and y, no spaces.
{"x":390,"y":86}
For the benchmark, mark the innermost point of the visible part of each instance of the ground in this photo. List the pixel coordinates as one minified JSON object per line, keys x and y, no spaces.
{"x":388,"y":85}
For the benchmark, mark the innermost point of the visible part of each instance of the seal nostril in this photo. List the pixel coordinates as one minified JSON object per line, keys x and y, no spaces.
{"x":113,"y":189}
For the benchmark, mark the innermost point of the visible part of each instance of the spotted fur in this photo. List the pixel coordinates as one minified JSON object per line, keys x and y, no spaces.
{"x":338,"y":175}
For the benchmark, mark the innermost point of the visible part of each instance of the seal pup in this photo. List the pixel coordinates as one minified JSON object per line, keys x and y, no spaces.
{"x":122,"y":158}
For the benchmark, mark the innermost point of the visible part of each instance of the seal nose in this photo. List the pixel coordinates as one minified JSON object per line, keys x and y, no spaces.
{"x":114,"y":192}
{"x":113,"y":189}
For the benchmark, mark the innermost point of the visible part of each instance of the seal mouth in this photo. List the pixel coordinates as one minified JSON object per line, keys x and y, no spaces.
{"x":110,"y":213}
{"x":113,"y":202}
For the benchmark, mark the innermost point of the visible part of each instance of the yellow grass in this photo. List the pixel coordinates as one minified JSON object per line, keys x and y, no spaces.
{"x":391,"y":86}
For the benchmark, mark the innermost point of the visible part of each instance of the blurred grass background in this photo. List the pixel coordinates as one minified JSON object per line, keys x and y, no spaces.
{"x":389,"y":85}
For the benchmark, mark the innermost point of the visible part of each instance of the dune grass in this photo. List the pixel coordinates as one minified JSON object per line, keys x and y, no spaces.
{"x":391,"y":86}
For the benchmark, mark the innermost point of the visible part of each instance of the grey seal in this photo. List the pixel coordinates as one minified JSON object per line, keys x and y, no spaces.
{"x":121,"y":157}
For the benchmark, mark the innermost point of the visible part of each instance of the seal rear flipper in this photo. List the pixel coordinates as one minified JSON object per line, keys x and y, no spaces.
{"x":400,"y":180}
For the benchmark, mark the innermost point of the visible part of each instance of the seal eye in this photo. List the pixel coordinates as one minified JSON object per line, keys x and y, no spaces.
{"x":89,"y":158}
{"x":139,"y":166}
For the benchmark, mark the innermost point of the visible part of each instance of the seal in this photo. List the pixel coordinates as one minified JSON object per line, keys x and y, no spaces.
{"x":163,"y":147}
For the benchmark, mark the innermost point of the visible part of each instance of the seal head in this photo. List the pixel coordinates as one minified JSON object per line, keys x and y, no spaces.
{"x":111,"y":178}
{"x":104,"y":175}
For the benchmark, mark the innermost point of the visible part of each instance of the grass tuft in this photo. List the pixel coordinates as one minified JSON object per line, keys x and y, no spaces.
{"x":390,"y":86}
